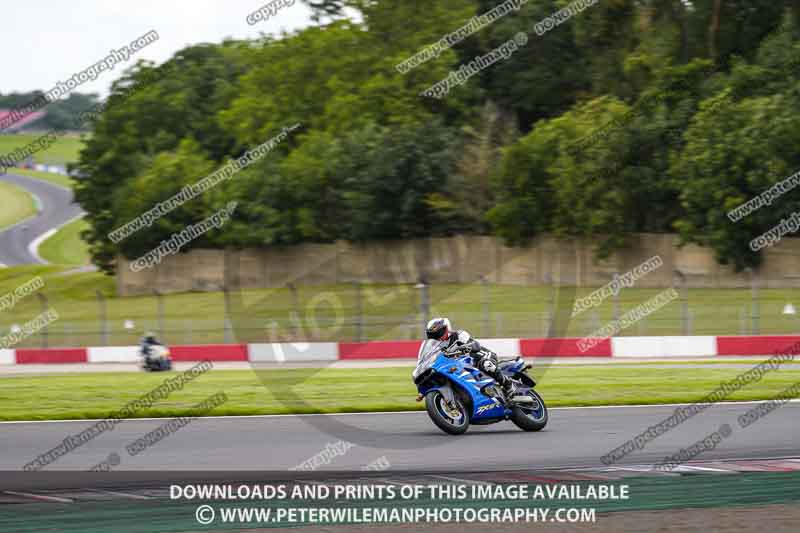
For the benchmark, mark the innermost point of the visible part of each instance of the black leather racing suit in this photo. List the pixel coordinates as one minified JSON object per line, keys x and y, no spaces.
{"x":146,"y":347}
{"x":483,"y":358}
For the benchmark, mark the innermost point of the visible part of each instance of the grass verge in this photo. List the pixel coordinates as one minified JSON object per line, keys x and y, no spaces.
{"x":64,"y":150}
{"x":283,"y":391}
{"x":66,"y":247}
{"x":17,"y":205}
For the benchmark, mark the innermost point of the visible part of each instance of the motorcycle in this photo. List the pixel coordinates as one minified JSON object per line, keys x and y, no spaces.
{"x":458,"y":394}
{"x":157,"y":360}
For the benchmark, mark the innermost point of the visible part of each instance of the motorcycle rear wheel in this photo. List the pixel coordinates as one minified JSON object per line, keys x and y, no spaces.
{"x":531,"y":417}
{"x":444,"y":417}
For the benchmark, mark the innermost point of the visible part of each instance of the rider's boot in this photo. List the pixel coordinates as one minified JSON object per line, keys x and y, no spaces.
{"x":509,"y":387}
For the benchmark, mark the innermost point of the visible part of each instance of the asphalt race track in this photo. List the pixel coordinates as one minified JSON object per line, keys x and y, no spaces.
{"x":57,"y":208}
{"x":574,"y":438}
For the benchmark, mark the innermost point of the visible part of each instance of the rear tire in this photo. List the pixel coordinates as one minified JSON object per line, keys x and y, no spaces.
{"x":533,"y":418}
{"x":443,"y":418}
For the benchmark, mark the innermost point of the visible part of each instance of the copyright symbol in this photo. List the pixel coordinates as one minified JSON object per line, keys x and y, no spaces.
{"x":204,"y":514}
{"x":521,"y":38}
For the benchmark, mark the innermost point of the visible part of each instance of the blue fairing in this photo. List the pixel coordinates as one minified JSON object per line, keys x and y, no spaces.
{"x":460,"y":372}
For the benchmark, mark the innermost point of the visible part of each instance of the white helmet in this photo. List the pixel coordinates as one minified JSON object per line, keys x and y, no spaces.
{"x":438,"y":328}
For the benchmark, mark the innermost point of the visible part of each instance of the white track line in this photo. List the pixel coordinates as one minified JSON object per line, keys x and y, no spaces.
{"x":459,"y":480}
{"x":234,"y":417}
{"x":123,"y":494}
{"x":38,"y":497}
{"x":33,"y":246}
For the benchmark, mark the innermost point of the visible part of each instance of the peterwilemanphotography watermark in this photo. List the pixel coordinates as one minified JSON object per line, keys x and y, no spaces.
{"x":177,"y":241}
{"x":130,"y":409}
{"x":475,"y":24}
{"x":628,"y":319}
{"x":461,"y":76}
{"x":10,"y":299}
{"x":28,"y":329}
{"x":194,"y":190}
{"x":91,"y":73}
{"x":325,"y":457}
{"x":613,"y":287}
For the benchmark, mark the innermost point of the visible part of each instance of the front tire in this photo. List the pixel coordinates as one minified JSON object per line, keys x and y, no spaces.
{"x":453,"y":421}
{"x":530,"y":417}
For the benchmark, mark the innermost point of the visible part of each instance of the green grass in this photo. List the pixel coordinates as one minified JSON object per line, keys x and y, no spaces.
{"x":66,"y":246}
{"x":58,"y":179}
{"x":389,"y":312}
{"x":64,"y":150}
{"x":17,"y":205}
{"x":280,"y":391}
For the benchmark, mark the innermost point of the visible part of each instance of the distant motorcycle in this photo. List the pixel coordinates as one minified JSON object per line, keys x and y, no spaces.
{"x":458,"y":394}
{"x":157,"y":360}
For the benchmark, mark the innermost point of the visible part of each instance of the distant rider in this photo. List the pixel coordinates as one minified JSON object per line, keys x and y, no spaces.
{"x":148,"y":341}
{"x":461,"y":341}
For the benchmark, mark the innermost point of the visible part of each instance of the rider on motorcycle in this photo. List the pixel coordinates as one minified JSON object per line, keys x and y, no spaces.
{"x":146,"y":345}
{"x":460,"y":340}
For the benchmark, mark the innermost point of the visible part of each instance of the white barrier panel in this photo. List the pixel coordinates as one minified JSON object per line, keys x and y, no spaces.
{"x":114,"y":354}
{"x":8,"y":357}
{"x":663,"y":346}
{"x":502,"y":347}
{"x":289,"y":352}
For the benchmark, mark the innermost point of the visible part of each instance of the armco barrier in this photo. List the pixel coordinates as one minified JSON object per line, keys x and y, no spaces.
{"x":27,"y":356}
{"x":7,"y":357}
{"x":761,"y":345}
{"x":379,"y":350}
{"x":114,"y":354}
{"x":211,"y":352}
{"x":329,"y":351}
{"x":503,"y":347}
{"x":566,"y":347}
{"x":293,"y":351}
{"x":663,"y":346}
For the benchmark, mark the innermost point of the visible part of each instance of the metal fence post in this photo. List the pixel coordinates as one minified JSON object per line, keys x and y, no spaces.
{"x":359,"y":314}
{"x":294,"y":315}
{"x":103,"y":314}
{"x":424,"y":303}
{"x":550,"y":313}
{"x":160,"y":306}
{"x":685,"y":324}
{"x":755,"y":307}
{"x":227,"y":316}
{"x":44,"y":331}
{"x":485,"y":306}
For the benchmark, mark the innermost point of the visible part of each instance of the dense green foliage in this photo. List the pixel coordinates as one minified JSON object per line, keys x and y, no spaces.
{"x":632,"y":116}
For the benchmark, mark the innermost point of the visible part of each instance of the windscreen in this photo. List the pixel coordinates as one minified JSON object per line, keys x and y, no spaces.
{"x":429,"y":347}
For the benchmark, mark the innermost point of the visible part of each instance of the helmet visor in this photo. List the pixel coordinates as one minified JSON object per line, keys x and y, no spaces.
{"x":436,"y":332}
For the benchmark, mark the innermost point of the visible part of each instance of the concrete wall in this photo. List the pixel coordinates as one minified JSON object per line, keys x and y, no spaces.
{"x":452,"y":260}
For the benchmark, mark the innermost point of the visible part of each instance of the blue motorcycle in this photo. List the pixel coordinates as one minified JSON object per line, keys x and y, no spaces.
{"x":458,"y":394}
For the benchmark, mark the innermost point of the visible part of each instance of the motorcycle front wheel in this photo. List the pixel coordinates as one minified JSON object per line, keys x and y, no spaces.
{"x":452,"y":419}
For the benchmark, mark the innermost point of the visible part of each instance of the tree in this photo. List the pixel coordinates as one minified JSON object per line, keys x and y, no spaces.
{"x":735,"y":151}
